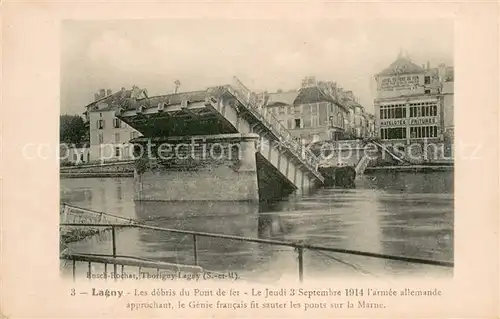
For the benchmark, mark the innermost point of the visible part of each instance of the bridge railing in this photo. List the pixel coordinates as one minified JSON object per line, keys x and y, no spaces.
{"x":73,"y":214}
{"x":271,"y":122}
{"x":298,"y":246}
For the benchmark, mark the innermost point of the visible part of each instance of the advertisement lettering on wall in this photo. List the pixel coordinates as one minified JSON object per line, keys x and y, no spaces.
{"x":399,"y":82}
{"x":398,"y":122}
{"x":423,"y":121}
{"x":413,"y":121}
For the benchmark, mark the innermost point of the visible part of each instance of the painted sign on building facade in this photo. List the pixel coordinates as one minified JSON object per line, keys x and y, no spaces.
{"x":413,"y":121}
{"x":399,"y":82}
{"x":423,"y":121}
{"x":399,"y":122}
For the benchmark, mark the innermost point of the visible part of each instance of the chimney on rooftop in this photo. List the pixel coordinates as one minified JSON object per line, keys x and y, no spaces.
{"x":177,"y":85}
{"x":96,"y":96}
{"x":102,"y":93}
{"x":108,"y":92}
{"x":441,"y":72}
{"x":309,"y":81}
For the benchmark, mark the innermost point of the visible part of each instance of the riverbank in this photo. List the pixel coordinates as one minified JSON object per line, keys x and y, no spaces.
{"x":411,"y":168}
{"x":116,"y":169}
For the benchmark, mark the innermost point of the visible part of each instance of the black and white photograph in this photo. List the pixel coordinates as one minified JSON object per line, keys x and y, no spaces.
{"x":257,"y":150}
{"x":296,"y":159}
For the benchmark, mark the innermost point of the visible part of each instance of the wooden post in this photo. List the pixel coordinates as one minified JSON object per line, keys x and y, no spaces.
{"x":301,"y":263}
{"x":113,"y":239}
{"x":90,"y":271}
{"x":195,"y":248}
{"x":113,"y":236}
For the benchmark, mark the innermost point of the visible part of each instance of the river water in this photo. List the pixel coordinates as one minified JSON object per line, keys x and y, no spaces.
{"x":404,"y":214}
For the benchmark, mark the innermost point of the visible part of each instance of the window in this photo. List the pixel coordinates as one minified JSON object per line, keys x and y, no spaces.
{"x":306,"y":109}
{"x":101,"y":138}
{"x":75,"y":157}
{"x":396,"y":111}
{"x":117,"y":137}
{"x":297,"y":123}
{"x":296,"y":109}
{"x":393,"y":133}
{"x":282,"y":110}
{"x":427,"y":91}
{"x":100,"y":114}
{"x":315,"y":121}
{"x":100,"y":124}
{"x":290,"y":110}
{"x":116,"y":123}
{"x":133,"y":135}
{"x":423,"y":131}
{"x":423,"y":109}
{"x":427,"y":80}
{"x":314,"y":109}
{"x":307,"y":122}
{"x":117,"y":151}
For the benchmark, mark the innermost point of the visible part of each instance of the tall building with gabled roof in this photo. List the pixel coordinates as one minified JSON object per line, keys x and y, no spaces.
{"x":109,"y":136}
{"x":414,"y":104}
{"x":318,"y":111}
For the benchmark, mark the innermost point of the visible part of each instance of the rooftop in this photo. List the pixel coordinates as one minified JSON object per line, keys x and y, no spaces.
{"x":402,"y":65}
{"x":287,"y":98}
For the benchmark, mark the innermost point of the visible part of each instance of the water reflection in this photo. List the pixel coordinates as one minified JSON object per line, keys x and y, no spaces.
{"x":111,"y":195}
{"x":231,"y":218}
{"x":392,"y":213}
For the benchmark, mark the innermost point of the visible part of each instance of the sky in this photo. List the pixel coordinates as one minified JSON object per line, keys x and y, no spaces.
{"x":264,"y":54}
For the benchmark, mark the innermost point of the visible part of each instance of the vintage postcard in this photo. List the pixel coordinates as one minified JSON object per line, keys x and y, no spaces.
{"x":228,"y":160}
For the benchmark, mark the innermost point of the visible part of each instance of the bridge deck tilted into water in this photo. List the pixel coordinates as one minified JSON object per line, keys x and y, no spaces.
{"x":232,"y":114}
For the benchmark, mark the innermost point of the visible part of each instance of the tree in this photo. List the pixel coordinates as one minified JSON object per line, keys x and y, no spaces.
{"x":72,"y":129}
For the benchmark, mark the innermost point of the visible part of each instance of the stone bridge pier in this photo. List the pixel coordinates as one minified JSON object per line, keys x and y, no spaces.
{"x":211,"y":167}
